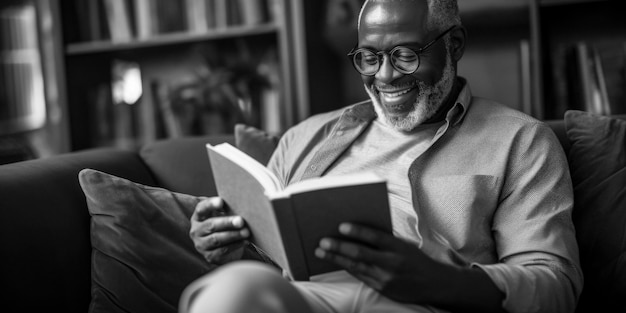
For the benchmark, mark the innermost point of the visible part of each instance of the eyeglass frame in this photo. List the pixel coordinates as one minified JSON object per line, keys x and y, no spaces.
{"x":380,"y":54}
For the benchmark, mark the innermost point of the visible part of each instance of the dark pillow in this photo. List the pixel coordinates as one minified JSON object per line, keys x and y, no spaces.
{"x":597,"y":159}
{"x":142,"y":256}
{"x":182,"y":164}
{"x":255,"y":142}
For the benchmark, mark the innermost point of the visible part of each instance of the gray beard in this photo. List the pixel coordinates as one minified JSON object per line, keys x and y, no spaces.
{"x":429,"y":100}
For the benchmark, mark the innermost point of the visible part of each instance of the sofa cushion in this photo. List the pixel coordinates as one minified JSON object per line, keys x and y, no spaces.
{"x":142,"y":256}
{"x":597,"y":159}
{"x":182,"y":164}
{"x":255,"y":142}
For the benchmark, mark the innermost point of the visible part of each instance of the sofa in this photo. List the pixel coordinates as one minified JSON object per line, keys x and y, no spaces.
{"x":46,"y":226}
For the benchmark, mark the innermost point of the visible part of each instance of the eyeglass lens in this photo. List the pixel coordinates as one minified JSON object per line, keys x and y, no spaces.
{"x":403,"y":59}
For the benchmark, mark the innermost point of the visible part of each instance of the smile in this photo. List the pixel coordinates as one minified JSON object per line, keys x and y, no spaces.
{"x":396,"y":91}
{"x":395,"y":94}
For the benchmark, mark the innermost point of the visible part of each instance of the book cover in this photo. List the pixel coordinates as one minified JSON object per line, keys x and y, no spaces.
{"x":287,"y":223}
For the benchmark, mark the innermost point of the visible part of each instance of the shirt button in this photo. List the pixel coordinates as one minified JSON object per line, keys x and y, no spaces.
{"x":340,"y":133}
{"x":313,"y":167}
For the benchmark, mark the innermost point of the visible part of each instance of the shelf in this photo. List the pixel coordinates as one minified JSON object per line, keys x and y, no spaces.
{"x":547,"y":3}
{"x":84,"y":48}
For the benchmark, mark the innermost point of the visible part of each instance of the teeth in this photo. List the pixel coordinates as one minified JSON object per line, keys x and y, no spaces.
{"x":396,"y":94}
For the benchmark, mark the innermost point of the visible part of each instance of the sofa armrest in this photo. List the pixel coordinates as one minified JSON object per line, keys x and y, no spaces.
{"x":44,"y":228}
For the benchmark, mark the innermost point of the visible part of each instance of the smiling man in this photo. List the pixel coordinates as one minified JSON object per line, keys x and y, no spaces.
{"x":404,"y":97}
{"x":480,"y":194}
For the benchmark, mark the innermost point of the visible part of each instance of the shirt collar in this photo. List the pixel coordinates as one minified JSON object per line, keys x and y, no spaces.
{"x":456,"y":114}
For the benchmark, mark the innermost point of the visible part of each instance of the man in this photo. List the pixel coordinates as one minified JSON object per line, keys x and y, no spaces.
{"x":480,"y":194}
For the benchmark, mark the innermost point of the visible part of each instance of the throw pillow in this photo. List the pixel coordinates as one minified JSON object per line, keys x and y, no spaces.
{"x":142,"y":255}
{"x":597,"y":159}
{"x":255,"y":142}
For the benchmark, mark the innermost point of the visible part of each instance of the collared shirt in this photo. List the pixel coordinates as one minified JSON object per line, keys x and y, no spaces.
{"x":390,"y":153}
{"x":492,"y":190}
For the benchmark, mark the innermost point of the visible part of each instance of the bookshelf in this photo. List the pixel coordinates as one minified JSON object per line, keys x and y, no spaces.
{"x":135,"y":71}
{"x":510,"y":55}
{"x":566,"y":35}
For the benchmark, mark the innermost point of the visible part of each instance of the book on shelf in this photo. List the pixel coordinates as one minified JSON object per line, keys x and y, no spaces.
{"x":526,"y":79}
{"x":611,"y":58}
{"x":586,"y":85}
{"x":119,"y":20}
{"x":221,"y":14}
{"x":562,"y":59}
{"x":101,"y":115}
{"x":170,"y":16}
{"x":145,"y":14}
{"x":22,"y":99}
{"x":253,"y":12}
{"x":209,"y":13}
{"x":287,"y":222}
{"x":601,"y":97}
{"x":90,"y":18}
{"x":234,"y":13}
{"x":197,"y":13}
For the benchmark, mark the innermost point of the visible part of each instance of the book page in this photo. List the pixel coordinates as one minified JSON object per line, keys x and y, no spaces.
{"x":246,"y":196}
{"x":265,"y":177}
{"x":325,"y":182}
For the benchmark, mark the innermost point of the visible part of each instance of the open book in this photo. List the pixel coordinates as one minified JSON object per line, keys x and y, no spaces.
{"x":287,"y":223}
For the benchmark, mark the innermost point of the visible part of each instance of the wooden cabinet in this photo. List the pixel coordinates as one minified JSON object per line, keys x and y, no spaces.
{"x":135,"y":71}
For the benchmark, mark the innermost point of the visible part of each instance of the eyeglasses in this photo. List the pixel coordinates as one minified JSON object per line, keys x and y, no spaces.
{"x":404,"y":59}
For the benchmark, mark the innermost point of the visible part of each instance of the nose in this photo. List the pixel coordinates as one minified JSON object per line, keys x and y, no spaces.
{"x":386,"y":73}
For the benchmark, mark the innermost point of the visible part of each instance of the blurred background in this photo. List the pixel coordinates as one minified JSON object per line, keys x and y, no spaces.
{"x":80,"y":74}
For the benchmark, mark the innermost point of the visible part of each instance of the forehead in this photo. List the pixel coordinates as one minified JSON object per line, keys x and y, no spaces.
{"x":389,"y":20}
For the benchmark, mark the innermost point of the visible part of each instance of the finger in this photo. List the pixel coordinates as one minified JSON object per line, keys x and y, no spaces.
{"x":371,"y":236}
{"x":221,"y":224}
{"x":223,"y":239}
{"x":209,"y":207}
{"x":352,"y":250}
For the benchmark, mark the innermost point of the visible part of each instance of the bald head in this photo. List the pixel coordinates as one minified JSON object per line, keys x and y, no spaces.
{"x":435,"y":15}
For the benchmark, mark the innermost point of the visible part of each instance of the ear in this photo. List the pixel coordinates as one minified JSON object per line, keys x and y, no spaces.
{"x":458,"y":37}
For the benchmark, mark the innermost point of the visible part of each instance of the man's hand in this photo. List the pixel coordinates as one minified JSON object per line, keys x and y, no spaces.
{"x":397,"y":269}
{"x":219,"y":237}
